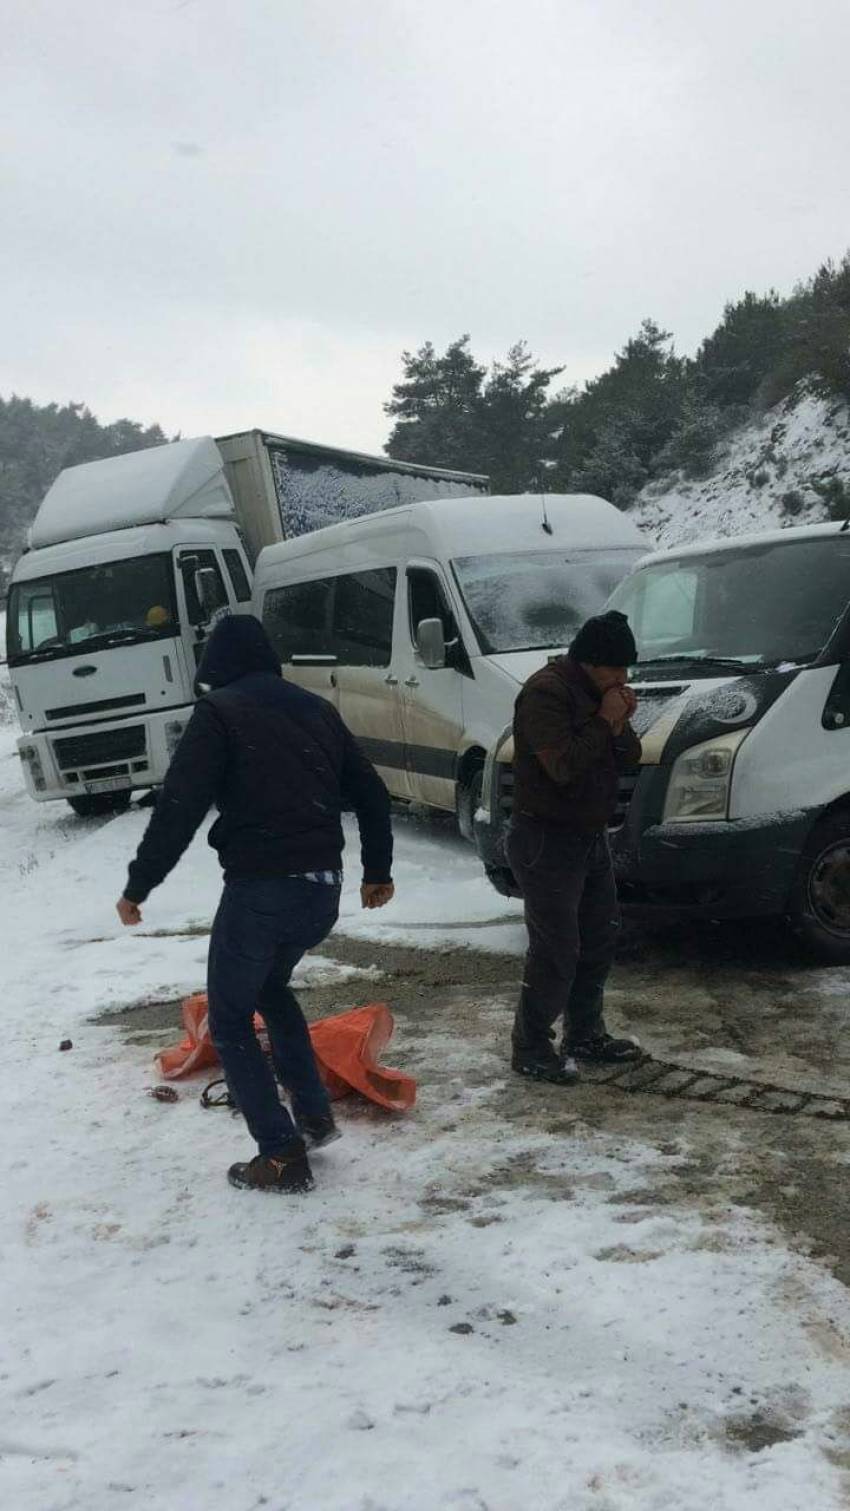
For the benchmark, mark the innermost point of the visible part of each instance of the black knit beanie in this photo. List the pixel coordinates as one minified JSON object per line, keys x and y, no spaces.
{"x":605,"y":640}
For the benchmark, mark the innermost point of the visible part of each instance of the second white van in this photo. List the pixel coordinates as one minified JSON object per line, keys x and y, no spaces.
{"x":420,"y":623}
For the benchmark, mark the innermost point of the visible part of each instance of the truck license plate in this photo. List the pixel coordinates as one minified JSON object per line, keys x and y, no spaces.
{"x":109,"y":784}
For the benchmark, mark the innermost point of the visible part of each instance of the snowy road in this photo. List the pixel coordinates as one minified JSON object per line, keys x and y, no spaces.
{"x":508,"y":1301}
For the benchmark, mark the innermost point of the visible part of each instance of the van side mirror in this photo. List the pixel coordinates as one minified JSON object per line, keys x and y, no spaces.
{"x":431,"y":643}
{"x":206,"y":589}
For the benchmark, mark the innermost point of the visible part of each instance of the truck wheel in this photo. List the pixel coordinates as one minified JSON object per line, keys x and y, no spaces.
{"x":97,"y":804}
{"x":469,"y":800}
{"x":820,"y":899}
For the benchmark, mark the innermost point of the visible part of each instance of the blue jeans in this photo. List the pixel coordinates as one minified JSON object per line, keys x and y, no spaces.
{"x":261,"y":930}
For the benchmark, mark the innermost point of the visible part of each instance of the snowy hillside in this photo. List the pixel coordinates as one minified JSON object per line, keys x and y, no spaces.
{"x":784,"y":468}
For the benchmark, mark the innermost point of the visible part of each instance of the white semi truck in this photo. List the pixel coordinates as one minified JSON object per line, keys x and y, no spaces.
{"x":129,"y":560}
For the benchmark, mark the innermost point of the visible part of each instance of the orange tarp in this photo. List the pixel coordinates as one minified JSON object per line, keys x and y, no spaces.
{"x":347,"y":1047}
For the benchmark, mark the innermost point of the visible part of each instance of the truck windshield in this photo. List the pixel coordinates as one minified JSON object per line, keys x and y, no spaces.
{"x":536,"y":600}
{"x":757,"y":605}
{"x":118,"y":602}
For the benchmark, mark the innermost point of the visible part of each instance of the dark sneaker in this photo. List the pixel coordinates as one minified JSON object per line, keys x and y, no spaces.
{"x":544,"y":1065}
{"x":287,"y":1171}
{"x":317,"y":1133}
{"x":602,"y":1049}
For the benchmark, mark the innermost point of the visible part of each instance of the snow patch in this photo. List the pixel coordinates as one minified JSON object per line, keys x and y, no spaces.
{"x":802,"y":442}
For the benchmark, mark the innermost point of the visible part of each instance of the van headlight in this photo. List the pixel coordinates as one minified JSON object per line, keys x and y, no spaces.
{"x":701,"y":779}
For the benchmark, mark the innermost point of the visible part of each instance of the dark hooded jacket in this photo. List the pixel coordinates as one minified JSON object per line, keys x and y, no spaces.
{"x":567,"y":762}
{"x":277,"y":762}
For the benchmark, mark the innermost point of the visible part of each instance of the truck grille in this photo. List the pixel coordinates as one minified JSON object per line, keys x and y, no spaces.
{"x":132,"y":700}
{"x":108,"y":745}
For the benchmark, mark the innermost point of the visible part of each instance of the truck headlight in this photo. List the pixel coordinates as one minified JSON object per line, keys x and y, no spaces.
{"x":701,"y":779}
{"x":30,"y":757}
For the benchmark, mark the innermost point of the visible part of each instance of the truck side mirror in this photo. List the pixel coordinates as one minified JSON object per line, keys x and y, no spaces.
{"x":207,"y":590}
{"x":431,"y":644}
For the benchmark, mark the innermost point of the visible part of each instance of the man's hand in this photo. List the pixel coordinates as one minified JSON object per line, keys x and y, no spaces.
{"x":630,"y":699}
{"x":128,"y":912}
{"x":614,"y":709}
{"x":376,"y":894}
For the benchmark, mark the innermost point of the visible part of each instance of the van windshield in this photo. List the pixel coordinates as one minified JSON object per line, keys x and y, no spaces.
{"x":536,"y":600}
{"x":118,"y":602}
{"x":758,"y":605}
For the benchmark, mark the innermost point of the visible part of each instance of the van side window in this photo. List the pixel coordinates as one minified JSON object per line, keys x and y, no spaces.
{"x":363,"y":617}
{"x":238,"y":576}
{"x":196,"y":612}
{"x":297,"y":618}
{"x":427,"y":600}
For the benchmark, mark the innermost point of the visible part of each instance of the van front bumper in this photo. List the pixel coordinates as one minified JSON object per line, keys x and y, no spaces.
{"x":732,"y":869}
{"x":728,"y":869}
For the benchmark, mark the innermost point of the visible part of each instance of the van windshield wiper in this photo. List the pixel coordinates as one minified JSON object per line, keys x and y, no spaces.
{"x":737,"y":663}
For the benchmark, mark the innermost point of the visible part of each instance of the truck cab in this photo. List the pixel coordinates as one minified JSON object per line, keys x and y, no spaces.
{"x":105,"y":630}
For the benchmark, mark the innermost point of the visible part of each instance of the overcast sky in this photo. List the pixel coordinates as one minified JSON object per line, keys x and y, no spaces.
{"x":225,"y":213}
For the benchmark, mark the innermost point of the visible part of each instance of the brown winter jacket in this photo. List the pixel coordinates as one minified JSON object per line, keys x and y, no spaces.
{"x":566,"y":758}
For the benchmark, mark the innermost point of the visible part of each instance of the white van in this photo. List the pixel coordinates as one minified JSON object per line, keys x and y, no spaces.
{"x":742,"y":804}
{"x":420,"y":623}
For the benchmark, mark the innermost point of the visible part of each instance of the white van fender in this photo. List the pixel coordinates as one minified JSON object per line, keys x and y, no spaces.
{"x":789,"y":761}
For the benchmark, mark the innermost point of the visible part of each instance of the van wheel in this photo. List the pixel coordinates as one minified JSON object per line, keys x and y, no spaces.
{"x":469,"y":800}
{"x":97,"y":804}
{"x":502,"y":878}
{"x":820,"y":899}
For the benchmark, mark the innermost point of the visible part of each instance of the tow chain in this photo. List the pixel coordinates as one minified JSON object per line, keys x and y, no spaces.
{"x":661,"y":1078}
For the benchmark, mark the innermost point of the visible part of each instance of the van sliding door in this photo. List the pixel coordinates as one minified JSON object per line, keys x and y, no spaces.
{"x":369,"y":699}
{"x":431,"y":701}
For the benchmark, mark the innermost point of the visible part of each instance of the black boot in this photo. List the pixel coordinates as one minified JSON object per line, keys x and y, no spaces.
{"x":287,"y":1171}
{"x":601,"y":1049}
{"x":319,"y":1132}
{"x":544,"y":1065}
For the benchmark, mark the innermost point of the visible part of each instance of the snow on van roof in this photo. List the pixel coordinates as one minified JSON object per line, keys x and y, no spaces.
{"x":742,"y":542}
{"x":476,"y":525}
{"x":184,"y":479}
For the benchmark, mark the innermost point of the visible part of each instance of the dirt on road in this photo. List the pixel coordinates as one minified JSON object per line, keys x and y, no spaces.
{"x":735,"y":1000}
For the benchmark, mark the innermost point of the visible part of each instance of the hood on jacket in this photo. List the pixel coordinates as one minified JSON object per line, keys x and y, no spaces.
{"x":237,"y":647}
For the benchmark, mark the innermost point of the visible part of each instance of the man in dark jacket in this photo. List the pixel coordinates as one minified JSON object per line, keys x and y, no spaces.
{"x":280,"y":766}
{"x":572,"y":738}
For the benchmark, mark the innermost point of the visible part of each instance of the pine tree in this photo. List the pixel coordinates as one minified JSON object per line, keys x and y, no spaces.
{"x":515,"y":421}
{"x":435,"y":408}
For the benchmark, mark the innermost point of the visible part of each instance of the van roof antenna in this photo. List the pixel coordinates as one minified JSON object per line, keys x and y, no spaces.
{"x":845,"y":526}
{"x":545,"y":525}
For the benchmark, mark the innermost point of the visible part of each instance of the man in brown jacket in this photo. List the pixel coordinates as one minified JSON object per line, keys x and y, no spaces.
{"x":572,"y":738}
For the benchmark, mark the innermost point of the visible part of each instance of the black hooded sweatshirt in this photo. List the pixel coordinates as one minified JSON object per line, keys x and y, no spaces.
{"x":277,"y":762}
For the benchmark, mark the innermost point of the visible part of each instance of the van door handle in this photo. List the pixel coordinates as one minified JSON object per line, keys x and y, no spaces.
{"x":391,"y":681}
{"x":411,"y":682}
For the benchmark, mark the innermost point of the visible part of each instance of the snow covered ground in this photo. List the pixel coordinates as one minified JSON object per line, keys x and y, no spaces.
{"x":803,"y":442}
{"x":466,"y":1314}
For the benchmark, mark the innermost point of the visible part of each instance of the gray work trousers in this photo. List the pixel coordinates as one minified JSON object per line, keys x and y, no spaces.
{"x":572,"y":917}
